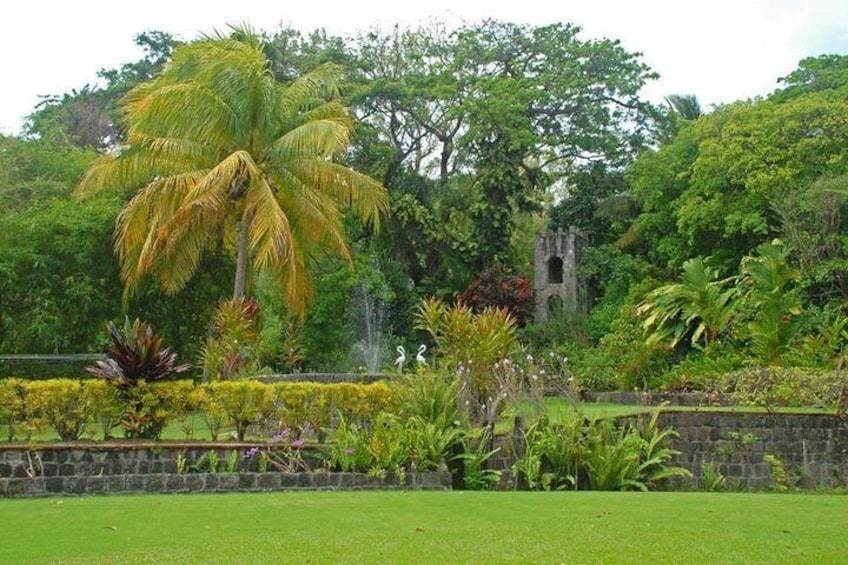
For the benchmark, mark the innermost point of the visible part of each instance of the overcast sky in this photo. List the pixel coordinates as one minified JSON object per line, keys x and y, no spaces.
{"x":721,"y":51}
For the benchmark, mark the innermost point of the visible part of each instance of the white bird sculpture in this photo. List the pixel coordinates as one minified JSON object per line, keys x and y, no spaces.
{"x":401,"y":359}
{"x":420,"y":356}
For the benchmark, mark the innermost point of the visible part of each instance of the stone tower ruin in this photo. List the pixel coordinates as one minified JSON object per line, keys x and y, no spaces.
{"x":556,"y":284}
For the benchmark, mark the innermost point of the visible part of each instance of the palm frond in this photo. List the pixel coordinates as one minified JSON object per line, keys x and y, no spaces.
{"x":363,"y":195}
{"x":322,"y":138}
{"x":270,"y":232}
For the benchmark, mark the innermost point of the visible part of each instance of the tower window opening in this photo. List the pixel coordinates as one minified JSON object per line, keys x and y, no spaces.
{"x":555,"y":270}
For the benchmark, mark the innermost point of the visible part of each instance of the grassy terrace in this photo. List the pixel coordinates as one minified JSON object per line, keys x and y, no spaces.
{"x":433,"y":527}
{"x":557,"y":409}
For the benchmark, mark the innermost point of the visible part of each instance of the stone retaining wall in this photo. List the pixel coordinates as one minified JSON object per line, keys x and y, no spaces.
{"x":107,"y":458}
{"x":812,"y":448}
{"x":171,"y":483}
{"x":123,"y":468}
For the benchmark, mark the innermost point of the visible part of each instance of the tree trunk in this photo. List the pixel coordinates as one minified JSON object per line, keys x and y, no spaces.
{"x":242,"y":255}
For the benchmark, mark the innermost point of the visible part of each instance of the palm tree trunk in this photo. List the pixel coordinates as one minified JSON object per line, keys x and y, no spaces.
{"x":241,"y":256}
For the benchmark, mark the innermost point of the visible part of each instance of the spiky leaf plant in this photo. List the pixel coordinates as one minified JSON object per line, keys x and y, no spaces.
{"x":136,"y":354}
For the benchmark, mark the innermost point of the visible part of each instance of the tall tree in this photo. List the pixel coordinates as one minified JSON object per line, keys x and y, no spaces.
{"x":90,"y":116}
{"x":222,"y":151}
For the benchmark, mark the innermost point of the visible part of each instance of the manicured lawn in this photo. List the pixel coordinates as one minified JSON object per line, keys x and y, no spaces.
{"x":428,"y":527}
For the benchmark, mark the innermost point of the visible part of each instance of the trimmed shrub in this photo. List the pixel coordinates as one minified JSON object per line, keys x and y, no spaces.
{"x":239,"y":404}
{"x":65,"y":404}
{"x":11,"y":405}
{"x":143,"y":411}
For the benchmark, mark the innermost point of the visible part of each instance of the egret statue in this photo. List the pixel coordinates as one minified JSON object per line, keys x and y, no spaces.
{"x":420,"y":356}
{"x":401,"y":359}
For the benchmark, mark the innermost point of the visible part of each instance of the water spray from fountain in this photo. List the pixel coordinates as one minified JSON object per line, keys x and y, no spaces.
{"x":369,"y":317}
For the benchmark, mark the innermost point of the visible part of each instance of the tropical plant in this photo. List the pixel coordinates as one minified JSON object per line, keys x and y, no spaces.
{"x":476,"y":452}
{"x":231,"y":350}
{"x":135,"y":355}
{"x":222,"y":152}
{"x":471,"y":344}
{"x":430,"y":397}
{"x":699,"y":306}
{"x":773,"y":301}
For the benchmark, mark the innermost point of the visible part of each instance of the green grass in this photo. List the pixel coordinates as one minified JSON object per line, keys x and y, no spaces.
{"x":428,"y":527}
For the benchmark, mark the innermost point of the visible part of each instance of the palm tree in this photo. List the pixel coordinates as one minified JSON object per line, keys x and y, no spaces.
{"x":223,"y":152}
{"x":685,"y":105}
{"x":700,"y":303}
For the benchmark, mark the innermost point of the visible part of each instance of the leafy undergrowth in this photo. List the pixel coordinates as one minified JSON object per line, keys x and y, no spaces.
{"x":434,"y":527}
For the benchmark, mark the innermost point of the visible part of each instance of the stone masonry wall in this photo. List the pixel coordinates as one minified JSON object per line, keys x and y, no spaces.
{"x":172,"y":483}
{"x":812,"y":448}
{"x":119,"y":468}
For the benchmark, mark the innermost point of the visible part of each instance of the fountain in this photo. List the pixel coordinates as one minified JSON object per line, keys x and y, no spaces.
{"x":368,"y":313}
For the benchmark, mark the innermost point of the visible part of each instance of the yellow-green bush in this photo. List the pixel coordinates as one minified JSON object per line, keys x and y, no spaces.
{"x":65,"y":404}
{"x":772,"y":387}
{"x":235,"y":403}
{"x":143,"y":411}
{"x":299,"y":405}
{"x":107,"y":405}
{"x":11,"y":405}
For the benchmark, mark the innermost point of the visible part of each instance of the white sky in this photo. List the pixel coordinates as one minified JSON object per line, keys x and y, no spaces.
{"x":721,"y":51}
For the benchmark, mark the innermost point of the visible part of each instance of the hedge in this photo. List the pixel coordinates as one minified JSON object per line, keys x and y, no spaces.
{"x":71,"y":407}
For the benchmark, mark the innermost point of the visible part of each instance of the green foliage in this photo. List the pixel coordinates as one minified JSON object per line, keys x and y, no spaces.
{"x":774,"y":304}
{"x":326,"y":332}
{"x":34,"y":173}
{"x":610,"y":273}
{"x":431,"y":397}
{"x":778,"y":473}
{"x":57,"y":278}
{"x":12,"y":405}
{"x":145,"y":410}
{"x":704,"y":369}
{"x":814,"y":74}
{"x":596,"y":455}
{"x":475,"y":341}
{"x":624,"y":359}
{"x":148,"y":407}
{"x":392,"y":446}
{"x":596,"y":199}
{"x":259,"y":174}
{"x":699,"y":306}
{"x":771,"y":387}
{"x":720,"y":187}
{"x":476,"y":452}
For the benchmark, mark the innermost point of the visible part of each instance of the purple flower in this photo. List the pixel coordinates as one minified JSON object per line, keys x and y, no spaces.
{"x":350,"y":451}
{"x":250,"y":452}
{"x":297,"y":443}
{"x":282,"y":435}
